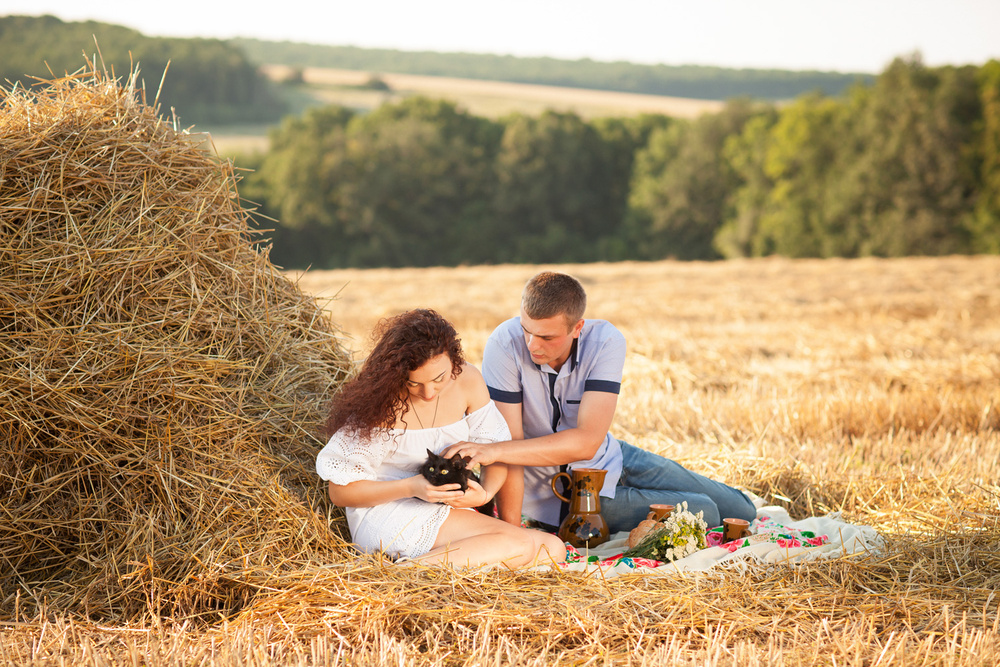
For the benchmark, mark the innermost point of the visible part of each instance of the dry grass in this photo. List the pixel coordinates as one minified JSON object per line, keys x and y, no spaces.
{"x":867,"y":387}
{"x":161,"y":384}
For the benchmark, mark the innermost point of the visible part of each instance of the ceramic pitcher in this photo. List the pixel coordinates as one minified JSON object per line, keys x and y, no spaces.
{"x":583,"y":526}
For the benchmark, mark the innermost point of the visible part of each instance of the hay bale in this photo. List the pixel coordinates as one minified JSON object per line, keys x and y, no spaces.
{"x":161,"y":383}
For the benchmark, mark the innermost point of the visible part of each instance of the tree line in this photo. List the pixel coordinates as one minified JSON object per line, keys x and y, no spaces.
{"x":695,"y":81}
{"x":208,"y":80}
{"x":909,"y":165}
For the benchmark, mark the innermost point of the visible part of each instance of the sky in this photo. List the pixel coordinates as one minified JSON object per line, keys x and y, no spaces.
{"x":835,"y":35}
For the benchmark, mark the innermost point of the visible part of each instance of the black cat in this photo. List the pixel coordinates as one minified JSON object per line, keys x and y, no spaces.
{"x":440,"y":471}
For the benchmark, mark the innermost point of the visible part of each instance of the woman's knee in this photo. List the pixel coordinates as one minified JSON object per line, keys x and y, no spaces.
{"x":551,"y":547}
{"x":538,"y":545}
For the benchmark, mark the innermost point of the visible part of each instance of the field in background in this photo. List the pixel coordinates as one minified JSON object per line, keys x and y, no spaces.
{"x":496,"y":98}
{"x":808,"y":361}
{"x":490,"y":99}
{"x":867,"y":387}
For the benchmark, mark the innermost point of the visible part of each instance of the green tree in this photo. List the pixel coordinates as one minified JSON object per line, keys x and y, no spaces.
{"x":207,"y":81}
{"x":910,"y":186}
{"x":804,"y":152}
{"x":984,"y":224}
{"x":891,"y":170}
{"x":294,"y":184}
{"x":406,"y":185}
{"x":623,"y":139}
{"x":683,"y":186}
{"x":419,"y":184}
{"x":739,"y":234}
{"x":553,"y":200}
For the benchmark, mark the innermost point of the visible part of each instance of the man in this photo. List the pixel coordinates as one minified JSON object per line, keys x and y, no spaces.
{"x":555,"y":377}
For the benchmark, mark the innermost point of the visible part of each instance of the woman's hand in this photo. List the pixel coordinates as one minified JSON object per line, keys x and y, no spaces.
{"x":475,"y":496}
{"x":446,"y":493}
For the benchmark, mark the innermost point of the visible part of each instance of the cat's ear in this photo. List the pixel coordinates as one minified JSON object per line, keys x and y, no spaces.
{"x":430,"y":453}
{"x":457,"y":458}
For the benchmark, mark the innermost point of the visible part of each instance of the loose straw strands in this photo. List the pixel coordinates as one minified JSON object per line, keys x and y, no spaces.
{"x":161,"y":385}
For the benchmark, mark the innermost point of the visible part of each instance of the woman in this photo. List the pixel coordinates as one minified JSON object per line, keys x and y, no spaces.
{"x":415,"y":392}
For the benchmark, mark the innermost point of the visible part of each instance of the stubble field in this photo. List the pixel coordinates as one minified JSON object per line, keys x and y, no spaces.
{"x":491,"y":99}
{"x":867,"y":387}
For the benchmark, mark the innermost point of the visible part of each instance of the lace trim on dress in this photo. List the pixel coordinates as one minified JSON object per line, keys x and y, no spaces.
{"x":429,"y":533}
{"x":487,"y":425}
{"x":347,"y":458}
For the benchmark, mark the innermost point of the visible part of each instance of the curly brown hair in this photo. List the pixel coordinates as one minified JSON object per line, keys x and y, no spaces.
{"x":372,"y":399}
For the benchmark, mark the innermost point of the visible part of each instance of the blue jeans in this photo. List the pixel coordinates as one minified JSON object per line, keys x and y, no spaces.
{"x":648,"y":478}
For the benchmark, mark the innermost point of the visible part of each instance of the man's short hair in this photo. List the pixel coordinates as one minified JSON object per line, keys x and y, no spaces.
{"x":549,"y":294}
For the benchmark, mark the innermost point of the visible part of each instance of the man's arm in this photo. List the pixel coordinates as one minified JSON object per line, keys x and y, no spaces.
{"x":597,"y":411}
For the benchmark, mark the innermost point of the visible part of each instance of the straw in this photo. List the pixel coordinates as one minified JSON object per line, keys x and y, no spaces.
{"x":162,"y":385}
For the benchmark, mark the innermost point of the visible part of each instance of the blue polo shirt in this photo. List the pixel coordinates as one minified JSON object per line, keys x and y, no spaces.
{"x":550,"y":400}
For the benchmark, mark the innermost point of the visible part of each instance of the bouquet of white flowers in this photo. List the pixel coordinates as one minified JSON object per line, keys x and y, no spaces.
{"x":679,"y":534}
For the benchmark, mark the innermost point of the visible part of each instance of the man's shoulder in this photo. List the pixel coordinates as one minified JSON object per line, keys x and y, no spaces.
{"x":503,"y":346}
{"x":601,"y":330}
{"x":507,"y":330}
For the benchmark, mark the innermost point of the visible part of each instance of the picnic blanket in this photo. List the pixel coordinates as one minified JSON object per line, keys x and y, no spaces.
{"x":775,"y":538}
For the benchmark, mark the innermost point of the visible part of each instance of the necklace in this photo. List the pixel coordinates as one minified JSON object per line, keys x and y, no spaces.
{"x":433,"y":419}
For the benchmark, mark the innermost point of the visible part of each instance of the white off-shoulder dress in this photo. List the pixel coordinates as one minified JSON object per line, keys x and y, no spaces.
{"x":409,"y":526}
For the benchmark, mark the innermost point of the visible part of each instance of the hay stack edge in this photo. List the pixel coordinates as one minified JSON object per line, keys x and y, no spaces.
{"x":162,"y":385}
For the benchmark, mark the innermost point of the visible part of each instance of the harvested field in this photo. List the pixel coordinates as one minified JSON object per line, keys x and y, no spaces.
{"x":866,"y":387}
{"x":493,"y":98}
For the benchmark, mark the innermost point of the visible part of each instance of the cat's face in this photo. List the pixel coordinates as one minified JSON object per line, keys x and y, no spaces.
{"x":438,"y":470}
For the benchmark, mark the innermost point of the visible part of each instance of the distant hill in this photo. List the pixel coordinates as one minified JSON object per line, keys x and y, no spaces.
{"x":691,"y":81}
{"x":208,"y":80}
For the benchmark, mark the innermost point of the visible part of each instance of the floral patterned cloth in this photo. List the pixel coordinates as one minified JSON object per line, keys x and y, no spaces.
{"x":574,"y":556}
{"x":764,"y":529}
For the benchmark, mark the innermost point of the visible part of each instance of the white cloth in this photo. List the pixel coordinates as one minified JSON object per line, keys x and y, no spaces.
{"x":409,"y":526}
{"x":845,"y":540}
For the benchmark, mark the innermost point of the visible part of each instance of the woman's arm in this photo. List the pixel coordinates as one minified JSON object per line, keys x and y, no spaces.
{"x":510,"y":498}
{"x":491,"y":479}
{"x":368,"y":493}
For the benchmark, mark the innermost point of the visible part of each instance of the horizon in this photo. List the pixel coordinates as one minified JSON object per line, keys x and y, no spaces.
{"x":854,"y":37}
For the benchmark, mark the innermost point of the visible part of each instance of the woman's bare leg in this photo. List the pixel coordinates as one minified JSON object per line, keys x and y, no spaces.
{"x":469,"y":539}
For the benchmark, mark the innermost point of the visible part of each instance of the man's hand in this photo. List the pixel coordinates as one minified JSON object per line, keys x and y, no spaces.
{"x":473,"y":453}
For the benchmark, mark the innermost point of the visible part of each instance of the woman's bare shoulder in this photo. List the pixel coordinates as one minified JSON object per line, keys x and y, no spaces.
{"x":471,"y":373}
{"x":473,"y":387}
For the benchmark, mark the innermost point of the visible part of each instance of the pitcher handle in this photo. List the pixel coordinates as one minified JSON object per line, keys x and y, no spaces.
{"x":552,"y":483}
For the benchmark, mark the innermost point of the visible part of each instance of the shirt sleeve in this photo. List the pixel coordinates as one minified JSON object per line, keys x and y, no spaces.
{"x":487,"y":425}
{"x":347,"y":458}
{"x":606,"y":373}
{"x":500,"y":368}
